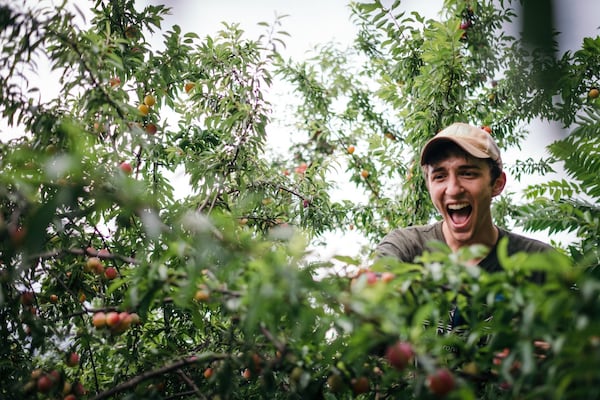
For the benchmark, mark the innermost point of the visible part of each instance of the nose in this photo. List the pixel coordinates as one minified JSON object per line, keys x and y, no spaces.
{"x":453,"y":186}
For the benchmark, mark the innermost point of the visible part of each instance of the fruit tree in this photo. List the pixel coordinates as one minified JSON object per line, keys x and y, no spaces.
{"x":152,"y":247}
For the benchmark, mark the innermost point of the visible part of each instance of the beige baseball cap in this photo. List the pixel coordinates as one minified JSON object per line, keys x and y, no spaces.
{"x":471,"y":139}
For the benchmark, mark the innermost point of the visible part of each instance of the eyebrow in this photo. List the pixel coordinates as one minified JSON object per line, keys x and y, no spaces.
{"x":460,"y":168}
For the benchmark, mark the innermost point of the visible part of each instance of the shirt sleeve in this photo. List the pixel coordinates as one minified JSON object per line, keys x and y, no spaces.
{"x":407,"y":243}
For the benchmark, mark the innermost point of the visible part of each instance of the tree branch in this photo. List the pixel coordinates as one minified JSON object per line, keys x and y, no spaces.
{"x":136,"y":380}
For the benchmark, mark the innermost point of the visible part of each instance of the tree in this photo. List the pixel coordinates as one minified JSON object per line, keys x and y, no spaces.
{"x":214,"y":294}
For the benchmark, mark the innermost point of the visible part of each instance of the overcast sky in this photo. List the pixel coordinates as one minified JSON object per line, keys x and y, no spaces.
{"x":316,"y":21}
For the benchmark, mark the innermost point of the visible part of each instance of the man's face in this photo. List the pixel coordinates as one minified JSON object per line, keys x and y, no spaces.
{"x":461,"y":189}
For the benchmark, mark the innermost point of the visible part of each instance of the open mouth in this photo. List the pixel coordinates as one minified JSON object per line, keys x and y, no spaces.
{"x":459,"y":213}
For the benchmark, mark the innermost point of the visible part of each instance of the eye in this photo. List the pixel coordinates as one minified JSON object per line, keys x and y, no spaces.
{"x":469,"y":174}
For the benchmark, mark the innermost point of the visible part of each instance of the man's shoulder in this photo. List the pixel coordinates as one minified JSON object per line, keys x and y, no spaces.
{"x":521,"y":243}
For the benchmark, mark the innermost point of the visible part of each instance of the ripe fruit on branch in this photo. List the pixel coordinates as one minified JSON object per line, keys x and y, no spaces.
{"x":99,"y":320}
{"x":387,"y":276}
{"x":44,"y":384}
{"x":124,"y":320}
{"x":94,"y":264}
{"x":351,"y":149}
{"x":246,"y":374}
{"x":143,"y":109}
{"x":149,"y":100}
{"x":257,"y":362}
{"x":360,"y":385}
{"x":135,"y":318}
{"x":73,"y":359}
{"x":364,"y":275}
{"x":79,"y":389}
{"x":151,"y":129}
{"x":301,"y":168}
{"x":202,"y":295}
{"x":103,"y":253}
{"x":441,"y":382}
{"x":498,"y":357}
{"x":189,"y":86}
{"x":27,"y":298}
{"x":371,"y":277}
{"x":110,"y":273}
{"x":55,"y":376}
{"x":114,"y":82}
{"x":487,"y":129}
{"x":399,"y":354}
{"x":126,"y":168}
{"x":119,"y":322}
{"x":593,"y":93}
{"x":364,"y":173}
{"x":112,"y":319}
{"x":208,"y":372}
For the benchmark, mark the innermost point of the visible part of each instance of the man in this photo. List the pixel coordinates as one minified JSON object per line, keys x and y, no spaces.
{"x":463,"y":173}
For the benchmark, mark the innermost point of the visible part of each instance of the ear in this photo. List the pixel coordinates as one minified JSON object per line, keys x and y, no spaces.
{"x":425,"y":173}
{"x":498,"y":186}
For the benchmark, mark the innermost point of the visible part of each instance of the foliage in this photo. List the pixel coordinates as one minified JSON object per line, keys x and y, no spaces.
{"x":142,"y":191}
{"x":562,"y":205}
{"x":571,"y":206}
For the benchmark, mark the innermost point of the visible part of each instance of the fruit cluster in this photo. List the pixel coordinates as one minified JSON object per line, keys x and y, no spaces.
{"x":53,"y":382}
{"x":371,"y":277}
{"x":400,"y":354}
{"x":115,"y":322}
{"x":95,"y":265}
{"x":144,"y":109}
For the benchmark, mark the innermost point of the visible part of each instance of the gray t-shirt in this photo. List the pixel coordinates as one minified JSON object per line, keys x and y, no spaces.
{"x":408,"y":243}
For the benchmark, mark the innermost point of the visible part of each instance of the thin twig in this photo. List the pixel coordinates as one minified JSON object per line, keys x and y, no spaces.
{"x":190,"y":383}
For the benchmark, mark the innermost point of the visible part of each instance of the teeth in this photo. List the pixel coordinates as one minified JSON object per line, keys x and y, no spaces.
{"x":455,"y":207}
